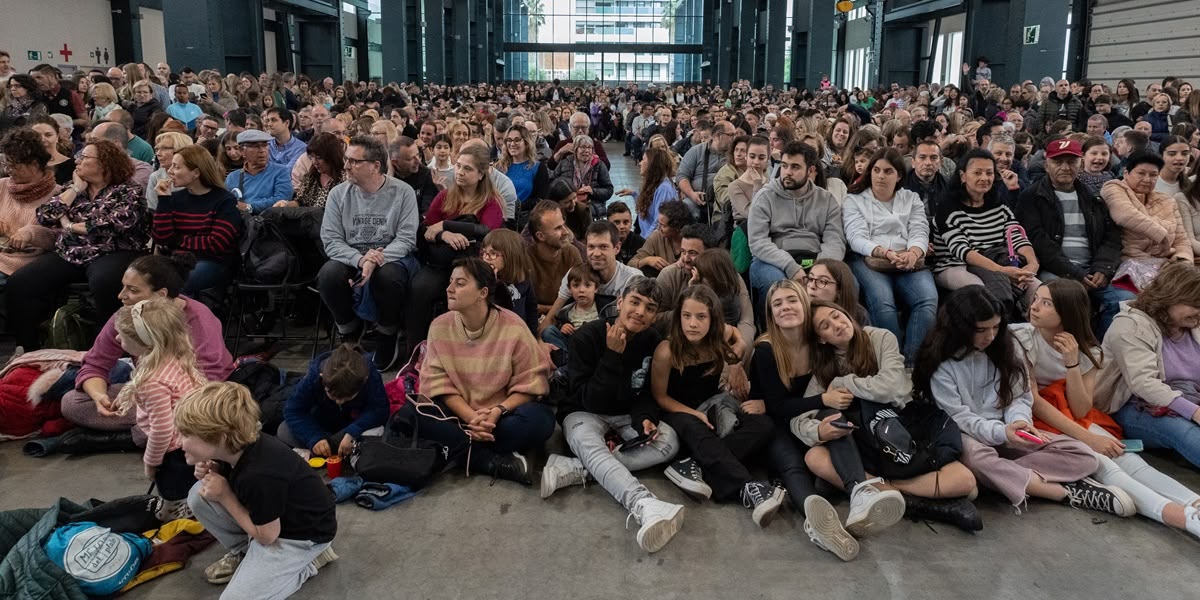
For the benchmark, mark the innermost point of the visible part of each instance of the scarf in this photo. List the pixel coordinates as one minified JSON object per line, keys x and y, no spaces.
{"x":583,"y":176}
{"x":19,"y":106}
{"x":25,"y":193}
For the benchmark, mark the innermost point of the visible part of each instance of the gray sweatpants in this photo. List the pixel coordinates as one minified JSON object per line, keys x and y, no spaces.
{"x":612,"y":470}
{"x":266,"y":572}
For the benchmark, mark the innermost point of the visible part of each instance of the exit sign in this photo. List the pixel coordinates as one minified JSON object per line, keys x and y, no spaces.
{"x":33,"y":55}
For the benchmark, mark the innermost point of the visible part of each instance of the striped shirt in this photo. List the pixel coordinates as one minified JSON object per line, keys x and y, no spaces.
{"x":156,"y":398}
{"x":505,"y":359}
{"x":1075,"y":241}
{"x":959,"y":229}
{"x":208,"y":226}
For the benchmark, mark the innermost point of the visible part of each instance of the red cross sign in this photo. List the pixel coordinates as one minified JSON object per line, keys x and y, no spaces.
{"x":66,"y":53}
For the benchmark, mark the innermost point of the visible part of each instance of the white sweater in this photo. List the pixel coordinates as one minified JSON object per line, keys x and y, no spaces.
{"x":967,"y":390}
{"x":869,"y":223}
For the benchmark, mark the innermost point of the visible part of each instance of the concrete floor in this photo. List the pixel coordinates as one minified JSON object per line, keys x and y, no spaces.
{"x":464,"y":538}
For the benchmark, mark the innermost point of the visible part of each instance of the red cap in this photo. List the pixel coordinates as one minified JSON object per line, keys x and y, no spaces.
{"x":1059,"y":148}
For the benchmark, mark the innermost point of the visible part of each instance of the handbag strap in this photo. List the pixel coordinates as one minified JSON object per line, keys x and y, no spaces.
{"x":1008,"y":238}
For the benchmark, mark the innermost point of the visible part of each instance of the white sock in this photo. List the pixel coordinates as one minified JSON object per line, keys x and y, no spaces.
{"x":1191,"y":521}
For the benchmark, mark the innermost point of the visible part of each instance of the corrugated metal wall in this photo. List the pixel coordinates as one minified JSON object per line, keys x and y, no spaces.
{"x":1144,"y":40}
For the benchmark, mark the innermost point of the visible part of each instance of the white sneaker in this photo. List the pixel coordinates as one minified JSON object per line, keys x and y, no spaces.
{"x":824,"y":528}
{"x":872,"y":509}
{"x":560,"y":472}
{"x":325,"y":557}
{"x":660,"y":521}
{"x":1192,"y":521}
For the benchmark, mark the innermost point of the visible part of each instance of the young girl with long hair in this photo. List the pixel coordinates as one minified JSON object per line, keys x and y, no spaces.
{"x":504,"y":251}
{"x":971,"y":366}
{"x":155,"y":333}
{"x":718,"y":429}
{"x":854,"y":366}
{"x":1064,"y":357}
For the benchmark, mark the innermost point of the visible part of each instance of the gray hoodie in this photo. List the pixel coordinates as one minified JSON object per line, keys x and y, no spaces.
{"x":356,"y":221}
{"x":784,"y":221}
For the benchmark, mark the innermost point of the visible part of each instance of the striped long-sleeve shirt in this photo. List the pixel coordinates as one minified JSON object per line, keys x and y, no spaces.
{"x":505,"y":359}
{"x":156,"y":399}
{"x":209,"y":226}
{"x":959,"y":228}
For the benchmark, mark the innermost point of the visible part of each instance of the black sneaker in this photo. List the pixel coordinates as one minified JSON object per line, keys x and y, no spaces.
{"x":512,"y":467}
{"x":387,"y":351}
{"x":959,"y":512}
{"x":687,"y":475}
{"x":763,"y":499}
{"x":1093,"y":495}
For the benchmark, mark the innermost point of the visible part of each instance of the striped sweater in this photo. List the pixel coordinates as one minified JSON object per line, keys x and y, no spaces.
{"x":505,"y":360}
{"x":156,"y":399}
{"x":959,"y":229}
{"x":209,"y":226}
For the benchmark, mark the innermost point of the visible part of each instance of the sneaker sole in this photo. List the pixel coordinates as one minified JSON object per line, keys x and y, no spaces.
{"x":653,"y":538}
{"x":1124,"y":502}
{"x":819,"y":513}
{"x":764,"y":513}
{"x":887,"y":511}
{"x":698,"y":489}
{"x":549,"y":485}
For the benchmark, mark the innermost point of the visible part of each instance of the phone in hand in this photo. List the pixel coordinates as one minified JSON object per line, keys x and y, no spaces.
{"x":638,"y":441}
{"x":843,"y":423}
{"x":1134,"y":445}
{"x":1029,"y":437}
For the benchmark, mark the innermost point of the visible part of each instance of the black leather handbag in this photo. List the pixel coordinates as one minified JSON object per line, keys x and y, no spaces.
{"x":400,"y":456}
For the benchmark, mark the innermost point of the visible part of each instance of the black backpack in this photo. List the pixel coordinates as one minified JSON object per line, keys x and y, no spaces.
{"x":267,"y":256}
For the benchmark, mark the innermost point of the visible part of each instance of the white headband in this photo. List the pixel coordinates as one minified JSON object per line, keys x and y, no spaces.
{"x":139,"y":323}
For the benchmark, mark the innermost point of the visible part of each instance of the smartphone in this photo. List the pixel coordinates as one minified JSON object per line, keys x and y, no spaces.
{"x":1029,"y":437}
{"x":843,"y":424}
{"x":1133,"y":445}
{"x":638,"y":441}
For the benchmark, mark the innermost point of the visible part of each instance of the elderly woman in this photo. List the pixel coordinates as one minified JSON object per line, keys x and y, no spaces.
{"x":888,"y":232}
{"x":143,"y":107}
{"x":1149,"y":383}
{"x":60,"y":160}
{"x":1152,"y":231}
{"x":104,"y":100}
{"x":484,"y":371}
{"x":29,"y":185}
{"x":586,"y":173}
{"x":100,"y":226}
{"x":165,"y":147}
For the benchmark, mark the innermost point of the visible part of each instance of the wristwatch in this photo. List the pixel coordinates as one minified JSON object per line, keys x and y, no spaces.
{"x":503,"y":410}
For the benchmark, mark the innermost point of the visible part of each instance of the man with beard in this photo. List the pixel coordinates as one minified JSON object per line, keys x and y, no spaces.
{"x":700,"y":165}
{"x":602,"y":243}
{"x":924,"y":177}
{"x":552,"y":252}
{"x":792,"y":222}
{"x":1071,"y":231}
{"x":407,"y":167}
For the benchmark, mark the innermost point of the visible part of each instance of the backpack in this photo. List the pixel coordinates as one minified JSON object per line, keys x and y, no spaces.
{"x":267,"y":256}
{"x":70,"y":328}
{"x":101,"y":561}
{"x":904,"y":443}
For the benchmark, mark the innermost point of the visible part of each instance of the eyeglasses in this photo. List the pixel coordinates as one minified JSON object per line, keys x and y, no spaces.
{"x":487,"y":253}
{"x":354,"y":162}
{"x":515,"y":140}
{"x":84,"y":156}
{"x":819,"y":282}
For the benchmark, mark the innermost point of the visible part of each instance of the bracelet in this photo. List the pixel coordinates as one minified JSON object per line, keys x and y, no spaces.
{"x":1072,"y":366}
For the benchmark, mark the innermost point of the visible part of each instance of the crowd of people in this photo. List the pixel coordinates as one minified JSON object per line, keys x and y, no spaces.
{"x":872,"y":289}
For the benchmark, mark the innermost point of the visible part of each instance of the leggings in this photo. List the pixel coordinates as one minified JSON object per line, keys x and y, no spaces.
{"x":1151,"y":490}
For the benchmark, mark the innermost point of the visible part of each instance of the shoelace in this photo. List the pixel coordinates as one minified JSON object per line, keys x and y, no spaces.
{"x":1091,"y":498}
{"x":752,"y":496}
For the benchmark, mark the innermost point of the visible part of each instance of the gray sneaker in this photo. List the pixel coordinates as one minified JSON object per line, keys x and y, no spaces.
{"x":222,"y":571}
{"x":325,"y":557}
{"x":824,"y":528}
{"x":687,"y":475}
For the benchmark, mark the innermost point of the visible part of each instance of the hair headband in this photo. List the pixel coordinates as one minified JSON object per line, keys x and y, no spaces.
{"x":139,"y":323}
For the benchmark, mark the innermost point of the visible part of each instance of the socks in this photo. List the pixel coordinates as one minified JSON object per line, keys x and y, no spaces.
{"x":1192,"y":520}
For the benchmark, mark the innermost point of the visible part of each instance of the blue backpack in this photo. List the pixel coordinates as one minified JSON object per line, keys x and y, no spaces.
{"x":101,"y":561}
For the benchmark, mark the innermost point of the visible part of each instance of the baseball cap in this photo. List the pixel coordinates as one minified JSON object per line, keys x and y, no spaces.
{"x":1059,"y":148}
{"x":251,"y":136}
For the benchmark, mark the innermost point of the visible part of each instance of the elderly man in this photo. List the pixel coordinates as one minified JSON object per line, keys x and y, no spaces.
{"x":407,"y":167}
{"x":1071,"y":231}
{"x":579,"y":124}
{"x":117,"y":78}
{"x":137,"y":147}
{"x":700,"y":165}
{"x":260,"y":183}
{"x":370,"y":235}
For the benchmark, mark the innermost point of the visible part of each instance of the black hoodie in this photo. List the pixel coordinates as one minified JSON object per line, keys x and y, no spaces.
{"x":604,"y":382}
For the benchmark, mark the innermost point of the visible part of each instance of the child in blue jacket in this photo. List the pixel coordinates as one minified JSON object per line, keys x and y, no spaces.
{"x":341,"y":397}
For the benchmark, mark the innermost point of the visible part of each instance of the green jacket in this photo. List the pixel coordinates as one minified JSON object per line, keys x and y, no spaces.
{"x":26,"y":572}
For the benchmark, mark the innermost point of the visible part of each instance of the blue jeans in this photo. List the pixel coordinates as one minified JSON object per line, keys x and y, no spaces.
{"x":915,"y":288}
{"x":1174,"y":432}
{"x":1107,"y":301}
{"x":207,"y":275}
{"x":526,"y":427}
{"x":762,"y":275}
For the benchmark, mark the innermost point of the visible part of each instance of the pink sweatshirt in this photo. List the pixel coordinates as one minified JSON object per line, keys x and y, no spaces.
{"x":156,"y":399}
{"x":211,"y":355}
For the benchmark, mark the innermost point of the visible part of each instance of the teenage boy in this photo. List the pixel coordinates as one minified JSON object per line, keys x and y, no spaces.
{"x":261,"y":501}
{"x":608,"y":390}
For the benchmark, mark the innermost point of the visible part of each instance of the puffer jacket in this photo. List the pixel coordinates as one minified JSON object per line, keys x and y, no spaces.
{"x":34,"y":575}
{"x":1150,"y":229}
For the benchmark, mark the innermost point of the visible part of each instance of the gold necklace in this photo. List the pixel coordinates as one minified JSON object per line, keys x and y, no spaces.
{"x":471,"y":339}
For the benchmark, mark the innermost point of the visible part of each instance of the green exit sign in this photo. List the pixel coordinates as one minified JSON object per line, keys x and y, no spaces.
{"x":33,"y":55}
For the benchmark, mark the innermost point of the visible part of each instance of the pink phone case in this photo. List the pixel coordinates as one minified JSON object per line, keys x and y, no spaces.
{"x":1029,"y":437}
